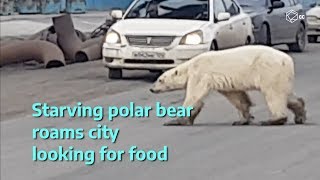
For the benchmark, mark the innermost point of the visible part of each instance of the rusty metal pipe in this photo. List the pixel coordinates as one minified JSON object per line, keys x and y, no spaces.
{"x":67,"y":38}
{"x":49,"y":34}
{"x":74,"y":49}
{"x":90,"y":53}
{"x":92,"y":50}
{"x":28,"y":50}
{"x":93,"y":41}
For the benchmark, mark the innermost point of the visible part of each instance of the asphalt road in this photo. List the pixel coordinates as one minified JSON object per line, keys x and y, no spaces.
{"x":212,"y":149}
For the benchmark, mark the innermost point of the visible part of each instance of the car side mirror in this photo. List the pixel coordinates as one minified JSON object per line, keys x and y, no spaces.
{"x":116,"y":14}
{"x":277,"y":4}
{"x":223,"y":16}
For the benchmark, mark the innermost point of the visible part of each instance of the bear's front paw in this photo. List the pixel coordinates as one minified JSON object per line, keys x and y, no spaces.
{"x":244,"y":121}
{"x":178,"y":122}
{"x":241,"y":123}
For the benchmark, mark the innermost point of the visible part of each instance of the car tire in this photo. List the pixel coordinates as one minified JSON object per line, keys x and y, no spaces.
{"x":312,"y":39}
{"x":248,"y":41}
{"x":264,"y":35}
{"x":157,"y":73}
{"x":300,"y":43}
{"x":214,"y":46}
{"x":115,"y":73}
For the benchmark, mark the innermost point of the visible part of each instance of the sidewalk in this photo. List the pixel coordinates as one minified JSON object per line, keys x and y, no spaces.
{"x":24,"y":25}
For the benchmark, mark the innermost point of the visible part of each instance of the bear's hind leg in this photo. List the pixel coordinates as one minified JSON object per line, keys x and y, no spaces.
{"x":277,"y":103}
{"x":242,"y":102}
{"x":297,"y":106}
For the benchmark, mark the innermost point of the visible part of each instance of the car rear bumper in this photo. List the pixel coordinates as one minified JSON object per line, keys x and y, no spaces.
{"x":314,"y":29}
{"x":313,"y":25}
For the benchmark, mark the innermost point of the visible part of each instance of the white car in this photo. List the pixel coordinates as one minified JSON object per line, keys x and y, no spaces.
{"x":157,"y":35}
{"x":313,"y":18}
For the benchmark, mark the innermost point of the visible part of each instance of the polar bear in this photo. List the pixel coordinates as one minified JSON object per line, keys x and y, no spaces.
{"x":232,"y":72}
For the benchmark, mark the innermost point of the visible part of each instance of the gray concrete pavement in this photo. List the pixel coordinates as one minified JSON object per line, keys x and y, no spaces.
{"x":211,"y":150}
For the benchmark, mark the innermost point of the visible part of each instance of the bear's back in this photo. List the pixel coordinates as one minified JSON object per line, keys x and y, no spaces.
{"x":243,"y":55}
{"x":249,"y":59}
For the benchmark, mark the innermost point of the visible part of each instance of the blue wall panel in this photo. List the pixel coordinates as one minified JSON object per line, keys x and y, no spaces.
{"x":63,"y":5}
{"x":91,"y":4}
{"x":76,"y":6}
{"x":28,"y":6}
{"x":50,"y":6}
{"x":6,"y":7}
{"x":107,"y":4}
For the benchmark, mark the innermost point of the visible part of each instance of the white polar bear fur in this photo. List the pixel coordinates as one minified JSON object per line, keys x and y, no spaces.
{"x":232,"y":72}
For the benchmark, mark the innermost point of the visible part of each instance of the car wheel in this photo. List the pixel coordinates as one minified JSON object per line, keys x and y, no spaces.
{"x":115,"y":73}
{"x":264,"y":35}
{"x":214,"y":46}
{"x":300,"y":43}
{"x":312,"y":39}
{"x":248,"y":41}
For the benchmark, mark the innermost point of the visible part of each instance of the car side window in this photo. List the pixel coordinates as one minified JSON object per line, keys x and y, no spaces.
{"x":232,"y":7}
{"x":218,"y":7}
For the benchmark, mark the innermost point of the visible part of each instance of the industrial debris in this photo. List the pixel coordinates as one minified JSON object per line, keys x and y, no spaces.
{"x":27,"y":50}
{"x":67,"y":38}
{"x":57,"y":45}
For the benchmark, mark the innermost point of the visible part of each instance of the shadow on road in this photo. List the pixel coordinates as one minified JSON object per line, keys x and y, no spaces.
{"x":146,"y":77}
{"x":285,"y":49}
{"x":255,"y":124}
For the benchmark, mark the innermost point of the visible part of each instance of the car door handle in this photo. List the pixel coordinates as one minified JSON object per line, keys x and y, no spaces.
{"x":244,"y":23}
{"x":231,"y":27}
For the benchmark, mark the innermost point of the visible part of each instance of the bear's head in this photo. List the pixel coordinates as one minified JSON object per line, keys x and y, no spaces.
{"x":174,"y":79}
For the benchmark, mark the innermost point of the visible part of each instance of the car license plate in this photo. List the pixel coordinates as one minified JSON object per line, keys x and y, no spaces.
{"x":148,"y":55}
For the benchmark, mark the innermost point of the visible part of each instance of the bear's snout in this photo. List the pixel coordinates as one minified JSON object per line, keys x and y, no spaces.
{"x":154,"y":91}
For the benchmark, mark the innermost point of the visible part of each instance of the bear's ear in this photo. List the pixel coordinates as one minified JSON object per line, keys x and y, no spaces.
{"x":176,"y":72}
